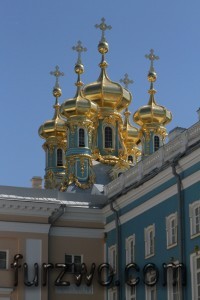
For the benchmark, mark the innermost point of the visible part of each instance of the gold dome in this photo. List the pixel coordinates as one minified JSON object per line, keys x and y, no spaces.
{"x":130,"y":133}
{"x":104,"y":92}
{"x":78,"y":105}
{"x":107,"y":93}
{"x":152,"y":113}
{"x":55,"y":127}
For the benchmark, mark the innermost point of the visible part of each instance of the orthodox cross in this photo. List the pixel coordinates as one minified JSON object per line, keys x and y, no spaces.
{"x":79,"y":48}
{"x":126,"y":81}
{"x":57,"y":74}
{"x":103,"y":27}
{"x":151,"y":56}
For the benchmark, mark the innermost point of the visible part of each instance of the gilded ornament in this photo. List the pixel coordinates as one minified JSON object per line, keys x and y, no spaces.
{"x":82,"y":162}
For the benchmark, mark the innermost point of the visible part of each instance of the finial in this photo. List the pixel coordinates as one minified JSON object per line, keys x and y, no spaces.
{"x":103,"y":27}
{"x":79,"y":68}
{"x":103,"y":45}
{"x":57,"y":90}
{"x":79,"y":48}
{"x":126,"y":81}
{"x":152,"y":74}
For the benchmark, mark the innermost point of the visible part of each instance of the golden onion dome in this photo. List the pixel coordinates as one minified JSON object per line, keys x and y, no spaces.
{"x":130,"y":133}
{"x":152,"y":113}
{"x":104,"y":92}
{"x":79,"y":105}
{"x":55,"y":127}
{"x":107,"y":93}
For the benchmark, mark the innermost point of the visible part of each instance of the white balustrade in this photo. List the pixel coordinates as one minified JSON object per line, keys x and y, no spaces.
{"x":166,"y":153}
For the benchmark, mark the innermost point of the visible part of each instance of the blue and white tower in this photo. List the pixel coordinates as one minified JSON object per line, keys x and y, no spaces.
{"x":54,"y":132}
{"x":80,"y":113}
{"x":152,"y":117}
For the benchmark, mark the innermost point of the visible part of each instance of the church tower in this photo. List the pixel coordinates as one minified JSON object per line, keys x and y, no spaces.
{"x":81,"y":114}
{"x":111,"y":99}
{"x":152,"y":117}
{"x":54,"y":133}
{"x":130,"y":132}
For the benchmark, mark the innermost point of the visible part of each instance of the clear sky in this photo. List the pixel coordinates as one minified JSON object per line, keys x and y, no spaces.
{"x":37,"y":35}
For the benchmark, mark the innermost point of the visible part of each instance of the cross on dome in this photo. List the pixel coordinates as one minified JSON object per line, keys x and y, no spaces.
{"x":79,"y":49}
{"x":126,"y":81}
{"x":57,"y":74}
{"x":103,"y":27}
{"x":151,"y":56}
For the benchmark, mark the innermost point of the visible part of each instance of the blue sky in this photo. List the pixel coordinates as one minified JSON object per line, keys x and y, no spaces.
{"x":37,"y":35}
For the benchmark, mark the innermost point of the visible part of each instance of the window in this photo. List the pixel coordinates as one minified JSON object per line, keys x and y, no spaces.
{"x":112,"y":294}
{"x":3,"y":260}
{"x":130,"y":249}
{"x":171,"y":230}
{"x":130,"y":159}
{"x":151,"y":290}
{"x":195,"y":278}
{"x":149,"y":236}
{"x":130,"y":292}
{"x":108,"y":137}
{"x":73,"y":262}
{"x":81,"y":135}
{"x":174,"y":289}
{"x":156,"y":143}
{"x":59,"y":157}
{"x":112,"y":257}
{"x":195,"y":218}
{"x":130,"y":257}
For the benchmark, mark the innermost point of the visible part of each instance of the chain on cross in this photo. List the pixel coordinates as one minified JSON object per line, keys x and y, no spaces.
{"x":126,"y":81}
{"x":79,"y":48}
{"x":103,"y":27}
{"x":151,"y":56}
{"x":57,"y":74}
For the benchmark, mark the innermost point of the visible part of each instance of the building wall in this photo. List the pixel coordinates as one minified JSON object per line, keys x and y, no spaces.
{"x":150,"y":204}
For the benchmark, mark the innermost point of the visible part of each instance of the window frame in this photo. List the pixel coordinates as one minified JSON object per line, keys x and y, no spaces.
{"x":59,"y":157}
{"x":6,"y":259}
{"x":193,"y":219}
{"x":156,"y":142}
{"x":172,"y":231}
{"x":112,"y":257}
{"x":72,"y":269}
{"x":130,"y":161}
{"x":81,"y":138}
{"x":173,"y":291}
{"x":149,"y":290}
{"x":149,"y":238}
{"x":112,"y":294}
{"x":194,"y":274}
{"x":130,"y":257}
{"x":112,"y":146}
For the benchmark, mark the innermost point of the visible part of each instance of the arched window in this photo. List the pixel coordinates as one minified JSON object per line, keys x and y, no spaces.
{"x":195,"y":218}
{"x":108,"y":137}
{"x":130,"y":159}
{"x":156,"y":143}
{"x":59,"y":157}
{"x":81,"y":135}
